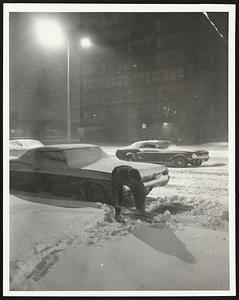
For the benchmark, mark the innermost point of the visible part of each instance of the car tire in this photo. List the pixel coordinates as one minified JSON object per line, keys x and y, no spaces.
{"x":179,"y":162}
{"x":96,"y":193}
{"x":197,"y":163}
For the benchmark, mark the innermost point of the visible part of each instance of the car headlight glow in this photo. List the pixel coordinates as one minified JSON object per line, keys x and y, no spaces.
{"x":194,"y":155}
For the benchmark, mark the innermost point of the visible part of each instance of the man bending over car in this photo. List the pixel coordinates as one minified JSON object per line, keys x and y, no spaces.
{"x":126,"y":175}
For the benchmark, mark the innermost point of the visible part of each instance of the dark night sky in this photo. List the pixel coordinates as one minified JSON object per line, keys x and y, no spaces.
{"x":38,"y":75}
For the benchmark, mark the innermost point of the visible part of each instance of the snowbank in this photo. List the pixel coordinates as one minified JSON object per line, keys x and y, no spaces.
{"x":38,"y":231}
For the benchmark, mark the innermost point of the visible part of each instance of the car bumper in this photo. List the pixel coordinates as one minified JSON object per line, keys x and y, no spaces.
{"x":161,"y":181}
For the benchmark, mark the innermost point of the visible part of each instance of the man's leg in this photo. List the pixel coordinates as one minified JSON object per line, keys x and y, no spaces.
{"x":119,"y":200}
{"x":117,"y":194}
{"x":138,"y":191}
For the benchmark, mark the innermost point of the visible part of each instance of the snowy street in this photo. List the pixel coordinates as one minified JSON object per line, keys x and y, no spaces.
{"x":63,"y":244}
{"x":204,"y":188}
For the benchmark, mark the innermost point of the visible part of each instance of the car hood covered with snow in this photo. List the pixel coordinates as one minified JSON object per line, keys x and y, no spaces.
{"x":108,"y":164}
{"x":175,"y":148}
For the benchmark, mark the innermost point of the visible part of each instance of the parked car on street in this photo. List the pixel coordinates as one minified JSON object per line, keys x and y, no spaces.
{"x":20,"y":146}
{"x":80,"y":170}
{"x":162,"y":152}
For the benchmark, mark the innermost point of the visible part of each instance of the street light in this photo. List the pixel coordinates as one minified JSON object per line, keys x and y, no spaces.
{"x":51,"y":34}
{"x":85,"y":42}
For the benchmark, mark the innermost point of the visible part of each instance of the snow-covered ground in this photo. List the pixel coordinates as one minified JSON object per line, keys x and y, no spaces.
{"x":200,"y":194}
{"x":62,"y":244}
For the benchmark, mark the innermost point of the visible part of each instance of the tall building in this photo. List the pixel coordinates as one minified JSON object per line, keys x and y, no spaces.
{"x":147,"y":75}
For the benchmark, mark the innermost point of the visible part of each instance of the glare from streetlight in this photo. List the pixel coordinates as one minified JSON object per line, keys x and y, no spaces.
{"x":49,"y":33}
{"x":85,"y":42}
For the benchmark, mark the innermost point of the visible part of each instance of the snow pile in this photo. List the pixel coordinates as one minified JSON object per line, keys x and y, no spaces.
{"x":196,"y":196}
{"x":190,"y":210}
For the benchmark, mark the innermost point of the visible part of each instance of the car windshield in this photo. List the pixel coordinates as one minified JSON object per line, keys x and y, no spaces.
{"x":82,"y":157}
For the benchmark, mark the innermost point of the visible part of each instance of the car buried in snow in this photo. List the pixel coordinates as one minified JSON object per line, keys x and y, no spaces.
{"x":81,"y":171}
{"x":162,"y":152}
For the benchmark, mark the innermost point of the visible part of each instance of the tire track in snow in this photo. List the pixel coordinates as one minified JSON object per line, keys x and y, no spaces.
{"x":25,"y":273}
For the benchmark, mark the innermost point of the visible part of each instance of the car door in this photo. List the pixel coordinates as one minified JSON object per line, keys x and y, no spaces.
{"x":21,"y":174}
{"x":42,"y":171}
{"x":56,"y":176}
{"x":149,"y":152}
{"x":51,"y":171}
{"x":156,"y":152}
{"x":165,"y":154}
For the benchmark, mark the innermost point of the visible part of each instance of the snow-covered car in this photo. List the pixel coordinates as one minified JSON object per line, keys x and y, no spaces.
{"x":20,"y":146}
{"x":80,"y":170}
{"x":163,"y":152}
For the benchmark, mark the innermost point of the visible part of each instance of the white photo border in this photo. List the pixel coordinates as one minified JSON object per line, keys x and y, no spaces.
{"x":91,"y":7}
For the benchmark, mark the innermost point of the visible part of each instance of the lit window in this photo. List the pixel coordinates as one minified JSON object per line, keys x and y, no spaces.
{"x":173,"y":75}
{"x":180,"y":73}
{"x":165,"y":76}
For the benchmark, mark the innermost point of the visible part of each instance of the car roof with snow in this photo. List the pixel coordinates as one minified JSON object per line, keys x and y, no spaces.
{"x":151,"y":142}
{"x":61,"y":147}
{"x":24,"y":144}
{"x":23,"y":141}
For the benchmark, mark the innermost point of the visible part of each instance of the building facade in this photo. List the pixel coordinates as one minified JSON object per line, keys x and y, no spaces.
{"x":157,"y":75}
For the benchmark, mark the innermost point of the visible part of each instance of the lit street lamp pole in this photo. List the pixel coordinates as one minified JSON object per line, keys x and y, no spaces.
{"x":68,"y":109}
{"x":51,"y":34}
{"x":84,"y":43}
